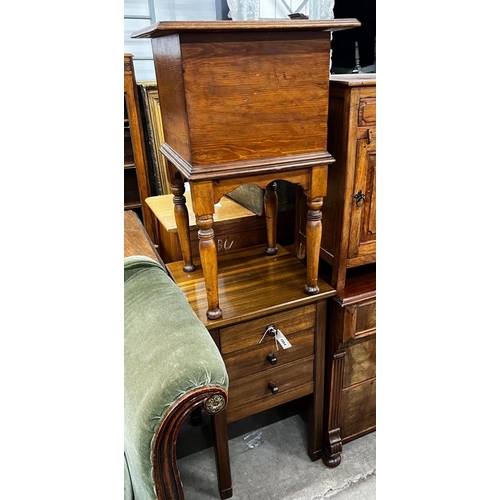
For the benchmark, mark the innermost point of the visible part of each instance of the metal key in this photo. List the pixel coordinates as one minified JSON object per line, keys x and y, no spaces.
{"x":269,"y":329}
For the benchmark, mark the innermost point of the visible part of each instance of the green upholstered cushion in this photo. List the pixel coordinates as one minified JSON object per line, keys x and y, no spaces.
{"x":168,"y":352}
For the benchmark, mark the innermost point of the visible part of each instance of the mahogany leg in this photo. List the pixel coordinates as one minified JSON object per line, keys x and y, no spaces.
{"x":313,"y":243}
{"x":208,"y":258}
{"x":221,"y":449}
{"x":182,"y":223}
{"x":271,"y":211}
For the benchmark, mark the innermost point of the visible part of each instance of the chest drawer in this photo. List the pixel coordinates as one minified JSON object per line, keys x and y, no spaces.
{"x":265,"y":356}
{"x":365,"y":315}
{"x":358,"y":320}
{"x":246,"y":352}
{"x":246,"y":335}
{"x":252,"y":394}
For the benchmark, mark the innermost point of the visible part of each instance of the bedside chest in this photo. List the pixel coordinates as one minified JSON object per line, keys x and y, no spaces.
{"x":259,"y":293}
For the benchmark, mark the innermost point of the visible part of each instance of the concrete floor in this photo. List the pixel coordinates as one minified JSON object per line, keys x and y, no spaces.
{"x":277,"y":467}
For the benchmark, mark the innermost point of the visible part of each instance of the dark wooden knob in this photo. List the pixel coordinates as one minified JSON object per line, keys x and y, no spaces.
{"x":273,"y":387}
{"x":272,"y":359}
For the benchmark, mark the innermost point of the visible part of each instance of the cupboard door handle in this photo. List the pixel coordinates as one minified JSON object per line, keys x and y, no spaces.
{"x":273,"y":387}
{"x":360,"y":198}
{"x":272,"y":359}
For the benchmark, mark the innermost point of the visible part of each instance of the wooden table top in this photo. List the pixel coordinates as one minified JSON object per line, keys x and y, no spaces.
{"x":251,"y":284}
{"x":163,"y":28}
{"x":136,"y":239}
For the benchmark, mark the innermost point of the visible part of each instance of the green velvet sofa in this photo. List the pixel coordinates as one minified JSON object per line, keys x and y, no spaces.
{"x":171,"y":367}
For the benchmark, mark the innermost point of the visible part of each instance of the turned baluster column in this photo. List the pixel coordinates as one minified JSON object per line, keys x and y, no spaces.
{"x":271,"y":211}
{"x":208,"y":257}
{"x":182,"y":223}
{"x":313,"y":243}
{"x":203,"y":199}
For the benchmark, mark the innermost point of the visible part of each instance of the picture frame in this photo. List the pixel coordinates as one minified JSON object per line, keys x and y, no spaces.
{"x":154,"y":127}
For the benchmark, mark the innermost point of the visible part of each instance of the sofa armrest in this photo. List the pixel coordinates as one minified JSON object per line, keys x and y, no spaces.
{"x":172,"y":366}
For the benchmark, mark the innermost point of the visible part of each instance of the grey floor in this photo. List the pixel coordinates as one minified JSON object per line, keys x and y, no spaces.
{"x":269,"y":461}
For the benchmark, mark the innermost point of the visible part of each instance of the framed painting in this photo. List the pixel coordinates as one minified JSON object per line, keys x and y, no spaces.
{"x":149,"y":92}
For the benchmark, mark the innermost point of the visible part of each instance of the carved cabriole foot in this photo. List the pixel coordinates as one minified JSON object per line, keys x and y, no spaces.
{"x":182,"y":223}
{"x":313,"y":242}
{"x":271,"y":211}
{"x":165,"y":469}
{"x":208,"y":257}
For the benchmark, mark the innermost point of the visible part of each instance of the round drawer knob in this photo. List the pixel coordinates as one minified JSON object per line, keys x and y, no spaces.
{"x":272,"y":359}
{"x":273,"y":387}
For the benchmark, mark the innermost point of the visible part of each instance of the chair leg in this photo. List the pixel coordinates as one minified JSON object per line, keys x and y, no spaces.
{"x":165,"y":469}
{"x":221,"y":449}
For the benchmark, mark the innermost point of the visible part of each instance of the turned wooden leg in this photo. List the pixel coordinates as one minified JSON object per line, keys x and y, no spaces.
{"x":271,"y":211}
{"x":182,"y":223}
{"x":208,"y":257}
{"x":221,"y":449}
{"x":313,"y":243}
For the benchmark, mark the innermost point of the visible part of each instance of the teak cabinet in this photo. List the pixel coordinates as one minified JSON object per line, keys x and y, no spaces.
{"x":136,"y":181}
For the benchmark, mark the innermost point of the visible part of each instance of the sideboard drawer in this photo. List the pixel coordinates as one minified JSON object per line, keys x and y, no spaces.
{"x":249,"y":395}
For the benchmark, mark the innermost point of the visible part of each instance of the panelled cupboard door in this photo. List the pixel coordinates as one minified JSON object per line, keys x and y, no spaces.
{"x":362,"y":235}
